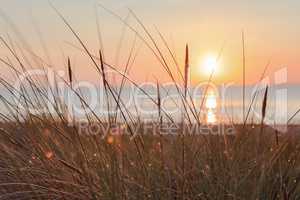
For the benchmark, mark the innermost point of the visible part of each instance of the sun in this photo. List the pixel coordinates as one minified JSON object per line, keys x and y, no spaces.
{"x":209,"y":65}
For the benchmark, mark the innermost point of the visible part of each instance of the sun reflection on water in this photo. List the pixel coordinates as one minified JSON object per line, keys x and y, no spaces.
{"x":211,"y":106}
{"x":211,"y":117}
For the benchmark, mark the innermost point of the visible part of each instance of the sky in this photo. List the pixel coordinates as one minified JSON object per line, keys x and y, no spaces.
{"x":209,"y":27}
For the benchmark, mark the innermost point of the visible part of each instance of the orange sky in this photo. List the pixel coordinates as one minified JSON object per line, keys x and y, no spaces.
{"x":270,"y":30}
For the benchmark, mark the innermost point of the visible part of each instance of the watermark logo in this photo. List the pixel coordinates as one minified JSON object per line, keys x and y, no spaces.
{"x":204,"y":104}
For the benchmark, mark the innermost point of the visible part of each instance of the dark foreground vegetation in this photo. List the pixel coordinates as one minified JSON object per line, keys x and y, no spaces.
{"x":45,"y":156}
{"x":44,"y":160}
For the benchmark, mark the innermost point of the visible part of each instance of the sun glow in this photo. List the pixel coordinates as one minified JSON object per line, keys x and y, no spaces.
{"x":209,"y":65}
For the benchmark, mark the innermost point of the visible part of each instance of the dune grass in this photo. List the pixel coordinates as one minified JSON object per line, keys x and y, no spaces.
{"x":44,"y":156}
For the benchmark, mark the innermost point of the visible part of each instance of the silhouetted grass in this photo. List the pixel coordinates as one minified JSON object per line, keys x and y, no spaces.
{"x":44,"y":156}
